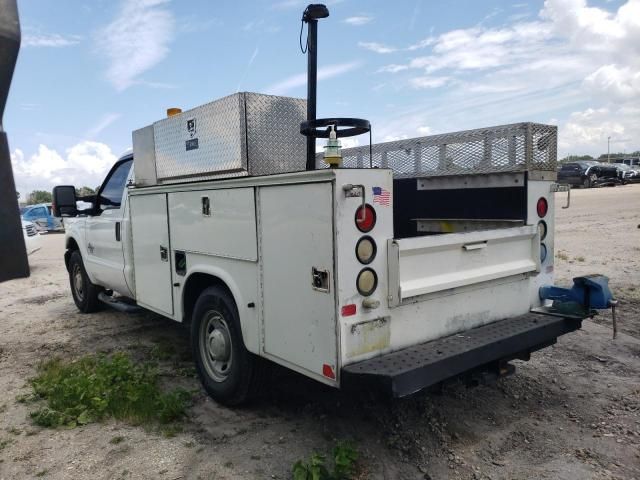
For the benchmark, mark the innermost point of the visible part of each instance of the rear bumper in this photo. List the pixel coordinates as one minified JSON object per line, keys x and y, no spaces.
{"x":414,"y":368}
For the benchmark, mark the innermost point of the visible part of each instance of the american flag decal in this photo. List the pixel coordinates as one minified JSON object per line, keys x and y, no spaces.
{"x":381,"y":196}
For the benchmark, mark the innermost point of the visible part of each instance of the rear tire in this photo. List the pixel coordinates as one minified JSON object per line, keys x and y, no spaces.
{"x":229,"y":373}
{"x":85,"y":293}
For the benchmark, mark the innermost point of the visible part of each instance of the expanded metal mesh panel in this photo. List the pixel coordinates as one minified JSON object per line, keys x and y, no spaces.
{"x":506,"y":148}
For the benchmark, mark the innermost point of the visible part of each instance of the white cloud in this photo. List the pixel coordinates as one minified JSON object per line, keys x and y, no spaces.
{"x":358,"y":20}
{"x":49,"y":40}
{"x":422,"y":44}
{"x":424,"y":130}
{"x":615,"y":83}
{"x":377,"y":47}
{"x":136,"y":40}
{"x":586,"y":131}
{"x":572,"y":57}
{"x":85,"y":163}
{"x":104,"y":122}
{"x":326,"y":72}
{"x":428,"y":82}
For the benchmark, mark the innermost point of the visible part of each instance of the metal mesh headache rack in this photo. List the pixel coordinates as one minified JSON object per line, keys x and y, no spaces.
{"x":506,"y":148}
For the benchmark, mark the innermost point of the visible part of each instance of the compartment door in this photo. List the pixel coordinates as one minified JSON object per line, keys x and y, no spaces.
{"x":430,"y":264}
{"x":152,"y":252}
{"x":296,"y":236}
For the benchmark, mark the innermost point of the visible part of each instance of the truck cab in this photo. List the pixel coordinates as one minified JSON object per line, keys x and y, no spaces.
{"x":101,"y":233}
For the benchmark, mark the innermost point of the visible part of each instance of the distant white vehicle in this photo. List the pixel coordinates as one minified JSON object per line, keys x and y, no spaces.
{"x":32,"y":240}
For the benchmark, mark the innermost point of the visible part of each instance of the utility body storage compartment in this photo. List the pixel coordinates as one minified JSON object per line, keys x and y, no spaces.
{"x":430,"y":264}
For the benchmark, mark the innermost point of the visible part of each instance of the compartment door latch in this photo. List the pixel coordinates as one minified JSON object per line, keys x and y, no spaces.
{"x":320,"y":279}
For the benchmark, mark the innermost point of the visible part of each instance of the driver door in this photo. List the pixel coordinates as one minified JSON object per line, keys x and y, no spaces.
{"x":105,"y":254}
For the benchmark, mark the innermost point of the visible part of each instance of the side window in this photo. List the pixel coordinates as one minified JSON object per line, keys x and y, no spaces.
{"x":39,"y":212}
{"x":111,"y":194}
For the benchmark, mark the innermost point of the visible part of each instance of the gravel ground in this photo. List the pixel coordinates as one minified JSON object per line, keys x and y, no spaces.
{"x":572,"y":412}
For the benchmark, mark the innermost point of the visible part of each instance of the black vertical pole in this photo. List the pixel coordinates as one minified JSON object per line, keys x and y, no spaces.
{"x":13,"y":256}
{"x":312,"y":83}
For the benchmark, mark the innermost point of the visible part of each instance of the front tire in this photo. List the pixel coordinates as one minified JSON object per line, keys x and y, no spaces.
{"x":85,"y":293}
{"x":229,"y":373}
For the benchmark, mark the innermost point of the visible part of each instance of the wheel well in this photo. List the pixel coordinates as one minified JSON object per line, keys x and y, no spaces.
{"x":195,"y":285}
{"x":71,"y":246}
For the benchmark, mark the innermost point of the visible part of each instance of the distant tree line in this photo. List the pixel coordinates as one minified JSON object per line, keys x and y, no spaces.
{"x":43,"y":196}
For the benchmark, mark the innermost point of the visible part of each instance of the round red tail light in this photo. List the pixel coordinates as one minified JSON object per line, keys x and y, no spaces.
{"x":365,"y":218}
{"x":542,"y":207}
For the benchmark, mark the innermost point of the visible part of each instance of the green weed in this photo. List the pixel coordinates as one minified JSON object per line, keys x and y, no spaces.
{"x":97,"y":387}
{"x":562,"y":256}
{"x":344,"y":457}
{"x":116,"y":440}
{"x":163,"y":350}
{"x":580,"y":259}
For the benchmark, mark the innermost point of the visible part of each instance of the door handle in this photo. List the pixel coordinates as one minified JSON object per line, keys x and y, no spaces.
{"x":475,"y":246}
{"x":117,"y":231}
{"x":164,"y":254}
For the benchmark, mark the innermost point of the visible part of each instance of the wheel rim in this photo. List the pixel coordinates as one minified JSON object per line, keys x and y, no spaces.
{"x":216,"y":346}
{"x":78,"y":282}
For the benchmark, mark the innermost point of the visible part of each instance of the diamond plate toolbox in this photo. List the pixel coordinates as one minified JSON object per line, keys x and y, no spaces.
{"x":241,"y":134}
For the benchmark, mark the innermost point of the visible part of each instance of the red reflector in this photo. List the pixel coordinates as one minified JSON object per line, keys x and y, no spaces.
{"x":348,"y":310}
{"x":327,"y":371}
{"x":365,"y":218}
{"x":542,"y":206}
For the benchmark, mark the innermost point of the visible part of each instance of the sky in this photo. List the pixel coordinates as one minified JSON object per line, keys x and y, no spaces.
{"x":92,"y":71}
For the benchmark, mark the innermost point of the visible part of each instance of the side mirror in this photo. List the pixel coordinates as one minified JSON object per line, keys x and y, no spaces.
{"x":64,"y":201}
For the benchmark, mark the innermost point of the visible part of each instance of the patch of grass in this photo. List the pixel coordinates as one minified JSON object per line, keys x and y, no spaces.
{"x":26,"y":398}
{"x":4,"y":444}
{"x":97,"y":387}
{"x":562,"y":256}
{"x":163,"y":350}
{"x":172,"y":430}
{"x":14,"y":431}
{"x":344,"y":457}
{"x":42,"y":473}
{"x":116,"y":440}
{"x":580,"y":259}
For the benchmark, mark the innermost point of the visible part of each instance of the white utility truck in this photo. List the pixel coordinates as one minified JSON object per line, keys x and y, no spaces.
{"x":403,"y":265}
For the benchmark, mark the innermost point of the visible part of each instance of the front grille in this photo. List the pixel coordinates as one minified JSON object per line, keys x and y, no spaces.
{"x":31,"y":230}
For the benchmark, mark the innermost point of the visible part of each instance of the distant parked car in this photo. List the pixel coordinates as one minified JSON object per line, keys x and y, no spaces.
{"x":588,"y":174}
{"x":42,"y":217}
{"x":627,"y":174}
{"x":32,"y":239}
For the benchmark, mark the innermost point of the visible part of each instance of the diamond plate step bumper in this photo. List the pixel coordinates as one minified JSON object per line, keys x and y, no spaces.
{"x":411,"y":369}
